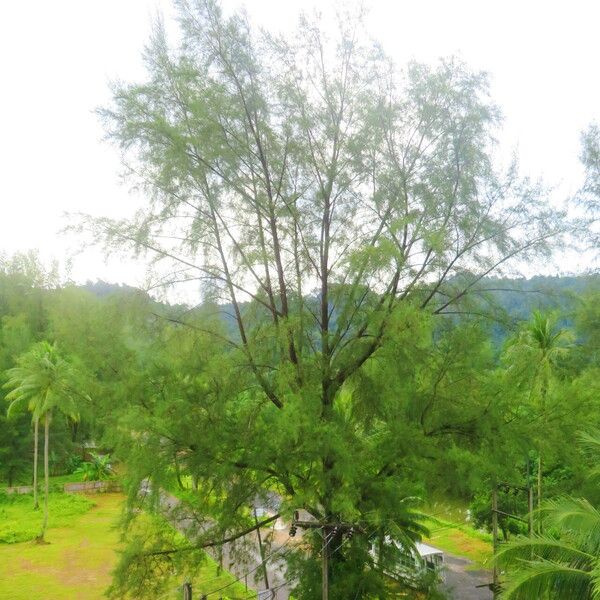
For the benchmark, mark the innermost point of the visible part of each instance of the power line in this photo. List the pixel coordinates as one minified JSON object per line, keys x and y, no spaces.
{"x":252,"y":570}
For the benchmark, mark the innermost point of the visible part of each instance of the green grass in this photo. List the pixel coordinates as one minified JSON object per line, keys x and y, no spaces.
{"x":20,"y":523}
{"x":462,"y":540}
{"x":80,"y":556}
{"x":450,"y":531}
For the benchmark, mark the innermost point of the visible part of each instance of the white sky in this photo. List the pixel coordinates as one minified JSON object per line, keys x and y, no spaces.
{"x":57,"y":57}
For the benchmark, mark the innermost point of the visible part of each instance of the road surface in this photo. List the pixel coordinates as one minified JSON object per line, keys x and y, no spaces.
{"x":461,"y":581}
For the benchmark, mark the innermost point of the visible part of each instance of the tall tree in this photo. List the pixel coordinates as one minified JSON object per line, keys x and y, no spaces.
{"x":22,"y":395}
{"x":589,"y":195}
{"x":47,"y":383}
{"x":534,"y":353}
{"x":326,"y":200}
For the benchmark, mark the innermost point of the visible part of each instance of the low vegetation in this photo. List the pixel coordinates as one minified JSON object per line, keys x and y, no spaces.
{"x":20,"y":523}
{"x":461,"y":539}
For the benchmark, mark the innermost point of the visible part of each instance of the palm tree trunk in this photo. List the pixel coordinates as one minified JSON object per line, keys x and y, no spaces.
{"x":544,"y":393}
{"x":539,"y":492}
{"x":36,"y":423}
{"x":46,"y":475}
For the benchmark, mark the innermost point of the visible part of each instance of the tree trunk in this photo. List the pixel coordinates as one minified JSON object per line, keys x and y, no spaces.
{"x":178,"y":472}
{"x":539,"y":493}
{"x":36,"y":423}
{"x":46,"y":476}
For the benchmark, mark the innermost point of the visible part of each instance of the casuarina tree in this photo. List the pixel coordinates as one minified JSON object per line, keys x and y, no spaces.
{"x":324,"y":200}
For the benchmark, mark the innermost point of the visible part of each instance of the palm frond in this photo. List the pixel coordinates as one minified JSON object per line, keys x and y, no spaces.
{"x":590,"y":443}
{"x":547,"y":579}
{"x":577,"y":520}
{"x":545,"y":548}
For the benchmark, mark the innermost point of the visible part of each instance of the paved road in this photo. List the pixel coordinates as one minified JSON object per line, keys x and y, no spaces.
{"x":462,"y":583}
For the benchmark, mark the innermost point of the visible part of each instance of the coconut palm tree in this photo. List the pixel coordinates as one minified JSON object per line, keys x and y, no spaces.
{"x":534,"y":353}
{"x":563,"y":563}
{"x":47,"y":383}
{"x":26,"y":394}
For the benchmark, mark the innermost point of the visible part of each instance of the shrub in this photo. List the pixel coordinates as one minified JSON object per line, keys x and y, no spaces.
{"x":98,"y":469}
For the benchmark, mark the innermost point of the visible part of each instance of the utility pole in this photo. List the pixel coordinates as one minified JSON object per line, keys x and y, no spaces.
{"x":495,"y":585}
{"x":325,"y":564}
{"x":262,"y":551}
{"x":530,"y":509}
{"x":539,"y":493}
{"x":328,"y":530}
{"x":495,"y":538}
{"x":187,"y":591}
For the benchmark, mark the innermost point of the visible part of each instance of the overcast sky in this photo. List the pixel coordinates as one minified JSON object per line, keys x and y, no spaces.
{"x":57,"y":59}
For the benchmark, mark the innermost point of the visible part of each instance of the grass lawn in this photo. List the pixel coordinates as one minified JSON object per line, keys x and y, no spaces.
{"x":461,"y":540}
{"x":20,"y":523}
{"x":451,"y":531}
{"x":77,"y":563}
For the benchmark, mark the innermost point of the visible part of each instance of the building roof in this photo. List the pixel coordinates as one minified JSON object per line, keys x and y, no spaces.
{"x":425,"y":550}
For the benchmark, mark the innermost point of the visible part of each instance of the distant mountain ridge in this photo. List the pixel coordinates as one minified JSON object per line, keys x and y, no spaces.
{"x":517,"y":298}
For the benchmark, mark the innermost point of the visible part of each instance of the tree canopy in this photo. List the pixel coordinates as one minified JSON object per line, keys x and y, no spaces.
{"x":334,"y":203}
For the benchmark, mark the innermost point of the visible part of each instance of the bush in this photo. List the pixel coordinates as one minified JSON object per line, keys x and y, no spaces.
{"x":98,"y":469}
{"x":73,"y":463}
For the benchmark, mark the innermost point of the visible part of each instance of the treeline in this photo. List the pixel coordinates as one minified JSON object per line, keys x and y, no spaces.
{"x":95,"y":333}
{"x":136,"y":352}
{"x":440,"y":401}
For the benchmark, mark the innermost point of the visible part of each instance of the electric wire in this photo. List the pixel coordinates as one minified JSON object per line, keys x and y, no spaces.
{"x":244,"y":575}
{"x":261,"y":564}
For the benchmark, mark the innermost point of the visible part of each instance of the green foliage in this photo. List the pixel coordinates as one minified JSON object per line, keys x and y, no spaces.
{"x":19,"y":522}
{"x":509,"y":501}
{"x":561,"y":562}
{"x":73,"y":462}
{"x":590,"y":157}
{"x":97,"y":469}
{"x":335,"y":207}
{"x":43,"y":381}
{"x":15,"y":447}
{"x":152,"y":575}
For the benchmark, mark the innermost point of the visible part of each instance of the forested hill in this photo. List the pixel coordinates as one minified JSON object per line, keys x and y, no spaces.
{"x":101,"y":288}
{"x":516,"y":298}
{"x":519,"y":297}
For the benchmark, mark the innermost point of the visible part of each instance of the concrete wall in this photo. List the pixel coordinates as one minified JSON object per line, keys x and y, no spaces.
{"x":79,"y":487}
